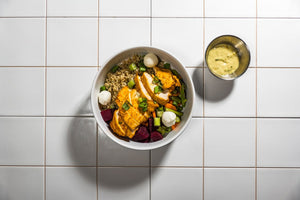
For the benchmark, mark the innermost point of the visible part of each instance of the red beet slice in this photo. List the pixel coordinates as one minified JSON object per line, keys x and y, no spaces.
{"x":107,"y":115}
{"x":151,"y":124}
{"x":141,"y":134}
{"x":155,"y":136}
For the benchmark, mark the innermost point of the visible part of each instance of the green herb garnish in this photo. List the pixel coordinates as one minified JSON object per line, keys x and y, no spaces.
{"x":102,"y":88}
{"x":132,"y":67}
{"x":131,"y":84}
{"x":114,"y":69}
{"x":143,"y":104}
{"x":167,"y":66}
{"x":125,"y":106}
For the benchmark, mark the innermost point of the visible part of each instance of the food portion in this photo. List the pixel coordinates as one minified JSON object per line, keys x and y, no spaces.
{"x":223,"y":59}
{"x":142,"y":98}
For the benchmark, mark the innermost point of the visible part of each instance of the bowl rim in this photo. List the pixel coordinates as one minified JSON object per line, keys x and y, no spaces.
{"x":153,"y":145}
{"x":246,"y":46}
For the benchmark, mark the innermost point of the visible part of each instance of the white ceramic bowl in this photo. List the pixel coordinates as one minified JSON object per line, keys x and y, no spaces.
{"x":175,"y":64}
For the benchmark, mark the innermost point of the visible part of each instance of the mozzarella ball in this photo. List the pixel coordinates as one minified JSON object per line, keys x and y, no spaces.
{"x":150,"y":60}
{"x":104,"y":97}
{"x":168,"y":118}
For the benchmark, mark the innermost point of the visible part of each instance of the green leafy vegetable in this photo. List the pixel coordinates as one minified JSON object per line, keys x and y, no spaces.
{"x":167,"y":66}
{"x":102,"y":88}
{"x":114,"y":69}
{"x":163,"y":130}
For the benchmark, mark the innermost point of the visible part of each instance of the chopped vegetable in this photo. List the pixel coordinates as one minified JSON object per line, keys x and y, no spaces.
{"x":114,"y":69}
{"x":159,"y":113}
{"x":167,"y":65}
{"x":163,"y":130}
{"x":157,"y":89}
{"x":155,"y":80}
{"x":151,"y":124}
{"x":174,"y":111}
{"x":107,"y":115}
{"x":155,"y":136}
{"x":143,"y":104}
{"x":132,"y":67}
{"x":125,"y":106}
{"x":141,"y":134}
{"x":131,"y":84}
{"x":153,"y":114}
{"x":157,"y":121}
{"x":177,"y":99}
{"x":182,"y":94}
{"x":174,"y":126}
{"x":175,"y":104}
{"x":143,"y":69}
{"x":160,"y":108}
{"x":175,"y":72}
{"x":168,"y":105}
{"x":177,"y":120}
{"x":102,"y":88}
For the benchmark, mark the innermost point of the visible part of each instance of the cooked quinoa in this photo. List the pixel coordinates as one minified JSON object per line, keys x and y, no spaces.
{"x":114,"y":82}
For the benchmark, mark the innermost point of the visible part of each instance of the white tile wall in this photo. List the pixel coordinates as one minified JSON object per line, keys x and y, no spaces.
{"x":124,"y":8}
{"x":72,"y":41}
{"x":22,"y":91}
{"x":71,"y":183}
{"x":230,"y":98}
{"x":129,"y":183}
{"x":22,"y":41}
{"x":72,"y":8}
{"x":278,"y":142}
{"x":229,"y":184}
{"x":278,"y":8}
{"x":176,"y":184}
{"x":186,"y":151}
{"x":113,"y":154}
{"x":243,"y":28}
{"x":278,"y":184}
{"x":278,"y":43}
{"x":229,"y":142}
{"x":230,"y":8}
{"x":23,"y":8}
{"x":22,"y":141}
{"x":70,"y":141}
{"x":177,"y":8}
{"x":277,"y":94}
{"x":21,"y":183}
{"x":134,"y":31}
{"x":50,"y":52}
{"x":186,"y":45}
{"x":68,"y":90}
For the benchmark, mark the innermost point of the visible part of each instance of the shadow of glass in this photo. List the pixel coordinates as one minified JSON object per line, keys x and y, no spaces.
{"x":82,"y":141}
{"x":215,"y":88}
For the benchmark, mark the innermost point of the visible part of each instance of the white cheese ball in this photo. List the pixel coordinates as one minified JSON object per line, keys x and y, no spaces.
{"x":104,"y":97}
{"x":168,"y":118}
{"x":150,"y":60}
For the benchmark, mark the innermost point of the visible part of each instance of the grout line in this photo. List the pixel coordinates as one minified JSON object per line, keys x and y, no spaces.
{"x":45,"y":100}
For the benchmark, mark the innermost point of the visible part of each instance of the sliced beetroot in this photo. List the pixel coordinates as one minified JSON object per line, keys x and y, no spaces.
{"x":107,"y":114}
{"x":151,"y":124}
{"x":141,"y":134}
{"x":155,"y":136}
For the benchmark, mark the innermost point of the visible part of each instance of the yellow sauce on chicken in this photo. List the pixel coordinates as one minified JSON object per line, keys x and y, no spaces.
{"x":223,"y":59}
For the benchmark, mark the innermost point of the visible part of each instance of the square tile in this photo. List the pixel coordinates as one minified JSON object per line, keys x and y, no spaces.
{"x":68,"y":91}
{"x":230,"y":98}
{"x":197,"y":77}
{"x":177,"y":8}
{"x":110,"y":41}
{"x":71,"y":183}
{"x":14,"y":8}
{"x":186,"y":150}
{"x":229,"y":184}
{"x":277,"y":94}
{"x":278,"y":184}
{"x":72,"y":8}
{"x":278,"y":143}
{"x":26,"y":183}
{"x":113,"y":154}
{"x":22,"y":141}
{"x":71,"y":141}
{"x":229,"y":142}
{"x":123,"y":183}
{"x":181,"y":37}
{"x":22,"y":91}
{"x":124,"y":8}
{"x":22,"y":42}
{"x":242,"y":28}
{"x":176,"y":183}
{"x":278,"y":8}
{"x":270,"y":33}
{"x":72,"y":41}
{"x":230,"y":8}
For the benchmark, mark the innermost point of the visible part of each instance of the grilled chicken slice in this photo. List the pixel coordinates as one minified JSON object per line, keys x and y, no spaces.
{"x":162,"y":97}
{"x":122,"y":96}
{"x":167,"y":79}
{"x":119,"y":126}
{"x":141,"y":88}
